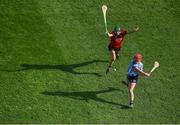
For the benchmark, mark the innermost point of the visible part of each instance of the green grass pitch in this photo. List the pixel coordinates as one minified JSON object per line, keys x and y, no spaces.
{"x":53,"y":57}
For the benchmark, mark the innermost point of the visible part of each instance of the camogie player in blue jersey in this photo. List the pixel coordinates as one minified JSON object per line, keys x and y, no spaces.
{"x":134,"y":70}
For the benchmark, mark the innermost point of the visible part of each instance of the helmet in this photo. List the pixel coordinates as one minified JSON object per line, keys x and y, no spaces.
{"x":138,"y":57}
{"x":117,"y":29}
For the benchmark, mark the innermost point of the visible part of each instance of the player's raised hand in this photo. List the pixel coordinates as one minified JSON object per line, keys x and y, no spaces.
{"x":136,"y":29}
{"x":106,"y":33}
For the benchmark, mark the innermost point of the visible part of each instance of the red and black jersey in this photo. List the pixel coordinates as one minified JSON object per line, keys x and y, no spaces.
{"x":117,"y":40}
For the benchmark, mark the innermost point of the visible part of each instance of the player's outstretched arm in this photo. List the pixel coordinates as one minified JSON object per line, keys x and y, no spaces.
{"x":142,"y":72}
{"x":133,"y":30}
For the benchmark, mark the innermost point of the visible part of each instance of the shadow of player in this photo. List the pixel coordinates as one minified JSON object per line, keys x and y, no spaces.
{"x":66,"y":68}
{"x":86,"y":96}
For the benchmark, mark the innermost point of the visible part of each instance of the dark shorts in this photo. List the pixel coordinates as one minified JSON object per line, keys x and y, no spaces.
{"x":132,"y":79}
{"x":115,"y":49}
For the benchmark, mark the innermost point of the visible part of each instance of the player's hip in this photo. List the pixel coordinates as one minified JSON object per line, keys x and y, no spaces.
{"x":132,"y":79}
{"x":115,"y":48}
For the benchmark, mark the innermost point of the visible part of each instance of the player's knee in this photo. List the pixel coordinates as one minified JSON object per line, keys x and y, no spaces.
{"x":113,"y":58}
{"x":113,"y":55}
{"x":131,"y":90}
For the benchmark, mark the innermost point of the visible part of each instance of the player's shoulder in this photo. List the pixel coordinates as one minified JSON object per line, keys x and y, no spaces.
{"x":123,"y":30}
{"x":132,"y":61}
{"x":140,"y":64}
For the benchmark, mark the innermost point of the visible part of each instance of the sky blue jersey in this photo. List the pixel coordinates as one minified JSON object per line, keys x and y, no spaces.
{"x":132,"y":65}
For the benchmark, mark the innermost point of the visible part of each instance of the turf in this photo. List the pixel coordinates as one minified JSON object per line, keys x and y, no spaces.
{"x":53,"y":57}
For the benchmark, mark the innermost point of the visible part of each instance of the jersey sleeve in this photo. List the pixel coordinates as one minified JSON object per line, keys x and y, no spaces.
{"x":135,"y":66}
{"x":141,"y":66}
{"x":138,"y":66}
{"x":124,"y":32}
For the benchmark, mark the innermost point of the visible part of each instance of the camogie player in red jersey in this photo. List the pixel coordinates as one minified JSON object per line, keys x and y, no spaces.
{"x":116,"y":39}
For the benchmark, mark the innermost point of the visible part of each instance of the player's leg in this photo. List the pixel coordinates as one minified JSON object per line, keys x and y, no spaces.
{"x":112,"y":60}
{"x":131,"y":93}
{"x":117,"y":53}
{"x":132,"y":81}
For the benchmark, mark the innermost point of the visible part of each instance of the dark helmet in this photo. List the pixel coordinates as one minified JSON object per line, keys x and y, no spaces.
{"x":117,"y":29}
